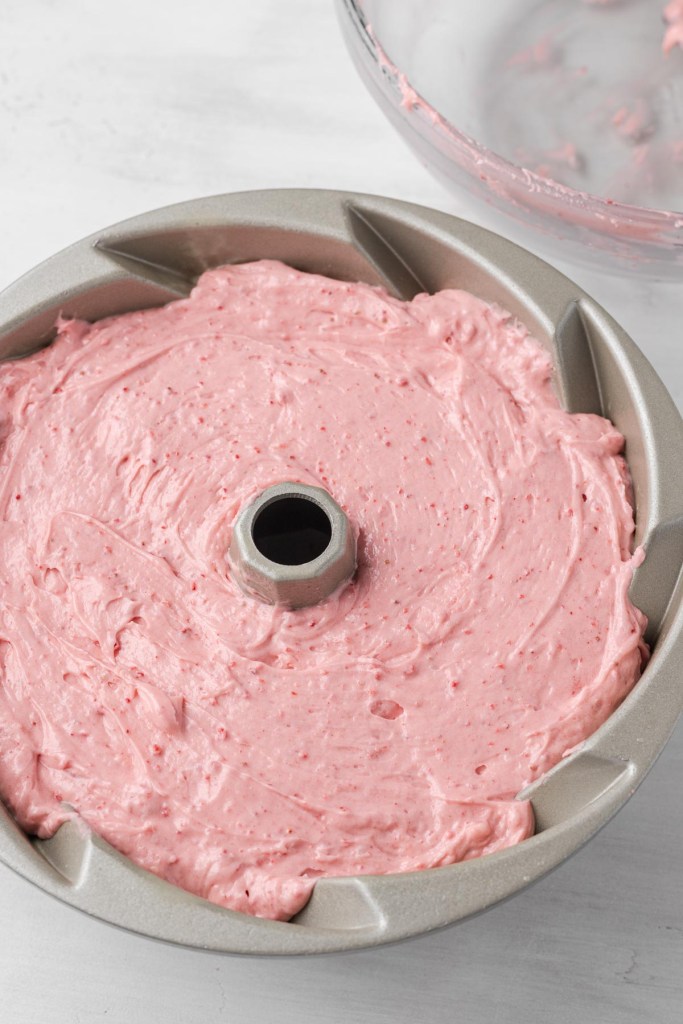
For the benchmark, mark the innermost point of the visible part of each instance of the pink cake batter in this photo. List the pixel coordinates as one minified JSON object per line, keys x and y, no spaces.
{"x":240,"y":750}
{"x":673,"y":16}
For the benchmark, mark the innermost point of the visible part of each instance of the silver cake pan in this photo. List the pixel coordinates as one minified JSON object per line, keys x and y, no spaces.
{"x":156,"y":257}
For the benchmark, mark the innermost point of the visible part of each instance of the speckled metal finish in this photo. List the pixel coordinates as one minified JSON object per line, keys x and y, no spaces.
{"x":156,"y":257}
{"x":293,"y":585}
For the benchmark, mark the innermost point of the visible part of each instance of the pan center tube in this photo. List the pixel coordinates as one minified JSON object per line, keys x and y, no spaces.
{"x":292,"y":546}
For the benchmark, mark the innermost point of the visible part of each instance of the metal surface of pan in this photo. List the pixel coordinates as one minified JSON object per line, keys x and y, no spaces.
{"x":156,"y":257}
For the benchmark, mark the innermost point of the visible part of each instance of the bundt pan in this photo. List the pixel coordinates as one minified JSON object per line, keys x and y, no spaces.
{"x":156,"y":257}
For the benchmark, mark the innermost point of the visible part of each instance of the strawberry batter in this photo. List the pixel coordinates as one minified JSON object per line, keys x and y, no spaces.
{"x":673,"y":16}
{"x":241,"y":750}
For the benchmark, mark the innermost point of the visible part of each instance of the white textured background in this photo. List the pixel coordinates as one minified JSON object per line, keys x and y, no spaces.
{"x":107,"y":110}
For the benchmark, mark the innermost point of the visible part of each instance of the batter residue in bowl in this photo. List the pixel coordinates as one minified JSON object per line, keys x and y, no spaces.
{"x":240,"y":750}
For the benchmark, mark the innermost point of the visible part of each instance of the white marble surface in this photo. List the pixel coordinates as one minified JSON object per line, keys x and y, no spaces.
{"x":108,"y":110}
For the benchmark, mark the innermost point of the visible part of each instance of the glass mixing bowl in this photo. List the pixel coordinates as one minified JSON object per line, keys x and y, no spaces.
{"x":564,"y":115}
